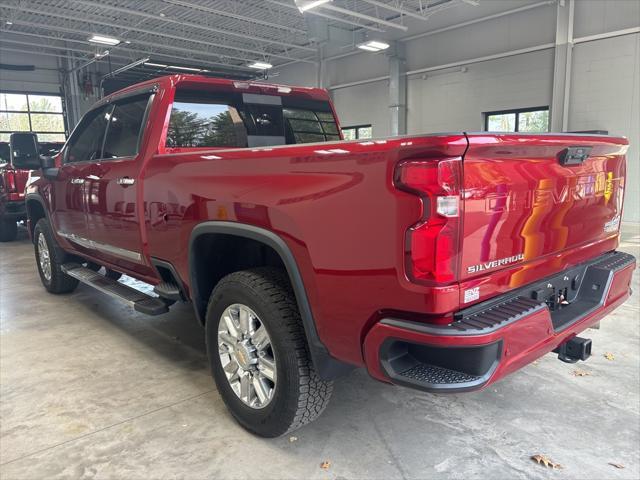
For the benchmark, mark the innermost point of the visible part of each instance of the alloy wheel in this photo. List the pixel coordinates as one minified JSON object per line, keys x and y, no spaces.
{"x":44,"y":258}
{"x":247,"y":355}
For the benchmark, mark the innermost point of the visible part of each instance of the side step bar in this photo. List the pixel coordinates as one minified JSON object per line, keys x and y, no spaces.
{"x":140,"y":301}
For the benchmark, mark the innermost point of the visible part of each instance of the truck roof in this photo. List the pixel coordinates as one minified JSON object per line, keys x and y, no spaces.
{"x":244,"y":86}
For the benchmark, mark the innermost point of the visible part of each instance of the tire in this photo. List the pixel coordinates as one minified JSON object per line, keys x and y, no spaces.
{"x":298,"y":395}
{"x":8,"y":230}
{"x":55,"y":281}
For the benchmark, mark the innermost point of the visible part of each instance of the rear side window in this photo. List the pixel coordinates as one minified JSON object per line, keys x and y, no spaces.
{"x":204,"y":124}
{"x":125,"y":127}
{"x":86,"y":142}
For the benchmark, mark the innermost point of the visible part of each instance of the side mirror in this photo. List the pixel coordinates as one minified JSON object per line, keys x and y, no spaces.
{"x":24,"y":151}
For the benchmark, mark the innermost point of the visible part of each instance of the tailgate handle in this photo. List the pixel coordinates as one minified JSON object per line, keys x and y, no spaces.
{"x":574,"y":155}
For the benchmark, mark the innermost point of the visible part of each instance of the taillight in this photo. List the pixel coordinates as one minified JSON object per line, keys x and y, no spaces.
{"x":432,"y":243}
{"x":10,"y":177}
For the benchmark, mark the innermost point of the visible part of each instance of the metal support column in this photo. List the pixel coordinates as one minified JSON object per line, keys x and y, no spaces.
{"x":562,"y":66}
{"x":397,"y":90}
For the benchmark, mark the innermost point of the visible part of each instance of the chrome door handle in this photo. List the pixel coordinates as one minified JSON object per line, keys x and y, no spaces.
{"x":77,"y":181}
{"x":126,"y":181}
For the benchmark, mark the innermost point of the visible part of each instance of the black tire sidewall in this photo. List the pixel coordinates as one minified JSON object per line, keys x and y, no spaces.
{"x":8,"y":230}
{"x":267,"y":421}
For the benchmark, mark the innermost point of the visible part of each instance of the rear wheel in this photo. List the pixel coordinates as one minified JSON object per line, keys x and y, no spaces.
{"x":49,"y":259}
{"x":8,"y":230}
{"x":259,"y":355}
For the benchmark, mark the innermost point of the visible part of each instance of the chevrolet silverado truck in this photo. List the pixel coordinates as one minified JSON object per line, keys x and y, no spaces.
{"x":12,"y":184}
{"x":437,"y":262}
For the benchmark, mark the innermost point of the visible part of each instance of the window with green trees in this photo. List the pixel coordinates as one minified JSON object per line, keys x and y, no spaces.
{"x":31,"y":112}
{"x":518,"y":120}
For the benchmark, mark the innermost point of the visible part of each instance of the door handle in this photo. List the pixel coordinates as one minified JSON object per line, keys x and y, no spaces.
{"x":77,"y":181}
{"x":126,"y":181}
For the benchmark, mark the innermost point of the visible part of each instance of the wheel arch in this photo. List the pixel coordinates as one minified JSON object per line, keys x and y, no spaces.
{"x":36,"y":210}
{"x":200,"y":287}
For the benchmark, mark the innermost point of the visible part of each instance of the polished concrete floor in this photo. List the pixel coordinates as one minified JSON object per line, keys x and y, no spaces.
{"x":91,"y":389}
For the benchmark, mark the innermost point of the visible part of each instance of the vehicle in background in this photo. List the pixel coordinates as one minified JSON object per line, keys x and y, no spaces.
{"x":12,"y":185}
{"x":438,"y":262}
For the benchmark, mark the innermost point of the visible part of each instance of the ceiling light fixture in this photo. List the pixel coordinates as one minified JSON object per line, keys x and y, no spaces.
{"x":187,"y":69}
{"x":303,"y":5}
{"x":373,"y":46}
{"x":260,"y":65}
{"x":160,"y":65}
{"x":8,"y":22}
{"x":102,"y":40}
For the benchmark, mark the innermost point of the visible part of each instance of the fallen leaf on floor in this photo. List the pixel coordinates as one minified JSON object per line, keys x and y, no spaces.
{"x":546,"y":461}
{"x":617,"y":465}
{"x":325,"y":465}
{"x":609,"y":356}
{"x":293,"y":439}
{"x":580,"y":373}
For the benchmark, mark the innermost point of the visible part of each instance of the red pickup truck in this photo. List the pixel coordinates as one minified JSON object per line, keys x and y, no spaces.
{"x":438,"y":262}
{"x":12,"y":184}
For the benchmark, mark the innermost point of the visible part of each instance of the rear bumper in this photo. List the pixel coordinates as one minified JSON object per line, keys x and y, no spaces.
{"x":488,"y":341}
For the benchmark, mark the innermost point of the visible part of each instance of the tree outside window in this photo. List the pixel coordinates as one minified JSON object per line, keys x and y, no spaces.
{"x":357,"y":132}
{"x":518,"y":120}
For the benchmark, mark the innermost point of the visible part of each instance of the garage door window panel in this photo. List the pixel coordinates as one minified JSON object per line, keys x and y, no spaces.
{"x":27,"y":112}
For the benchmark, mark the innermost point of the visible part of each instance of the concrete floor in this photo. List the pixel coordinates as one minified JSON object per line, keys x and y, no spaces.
{"x":91,"y":389}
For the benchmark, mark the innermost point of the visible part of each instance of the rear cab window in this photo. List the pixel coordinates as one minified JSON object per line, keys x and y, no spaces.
{"x":202,"y":118}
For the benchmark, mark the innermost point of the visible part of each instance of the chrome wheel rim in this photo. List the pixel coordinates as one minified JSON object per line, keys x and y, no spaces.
{"x":44,"y":258}
{"x":246,"y":355}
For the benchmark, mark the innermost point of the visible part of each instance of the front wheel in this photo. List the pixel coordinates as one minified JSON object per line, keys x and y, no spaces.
{"x":50,"y":258}
{"x":259,"y":355}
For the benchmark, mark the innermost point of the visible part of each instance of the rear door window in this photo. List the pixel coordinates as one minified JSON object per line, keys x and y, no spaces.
{"x":125,"y":127}
{"x":201,"y":122}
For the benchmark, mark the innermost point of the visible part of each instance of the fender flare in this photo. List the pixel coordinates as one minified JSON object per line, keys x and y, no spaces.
{"x":38,"y":198}
{"x":326,"y":366}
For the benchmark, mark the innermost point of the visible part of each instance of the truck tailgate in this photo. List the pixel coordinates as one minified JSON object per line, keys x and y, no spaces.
{"x":531,"y":197}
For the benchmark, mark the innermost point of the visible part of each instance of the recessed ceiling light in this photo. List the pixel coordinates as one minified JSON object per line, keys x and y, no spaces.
{"x":373,"y":46}
{"x":260,"y":65}
{"x":127,"y":42}
{"x":102,"y":40}
{"x":304,"y":5}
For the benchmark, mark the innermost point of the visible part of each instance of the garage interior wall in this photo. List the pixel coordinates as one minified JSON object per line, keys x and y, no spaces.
{"x":603,"y":90}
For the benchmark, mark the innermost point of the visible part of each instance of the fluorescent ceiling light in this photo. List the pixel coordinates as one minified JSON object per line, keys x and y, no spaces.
{"x":260,"y":65}
{"x":373,"y":46}
{"x":161,"y":65}
{"x":102,"y":40}
{"x":188,"y":69}
{"x":303,"y":5}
